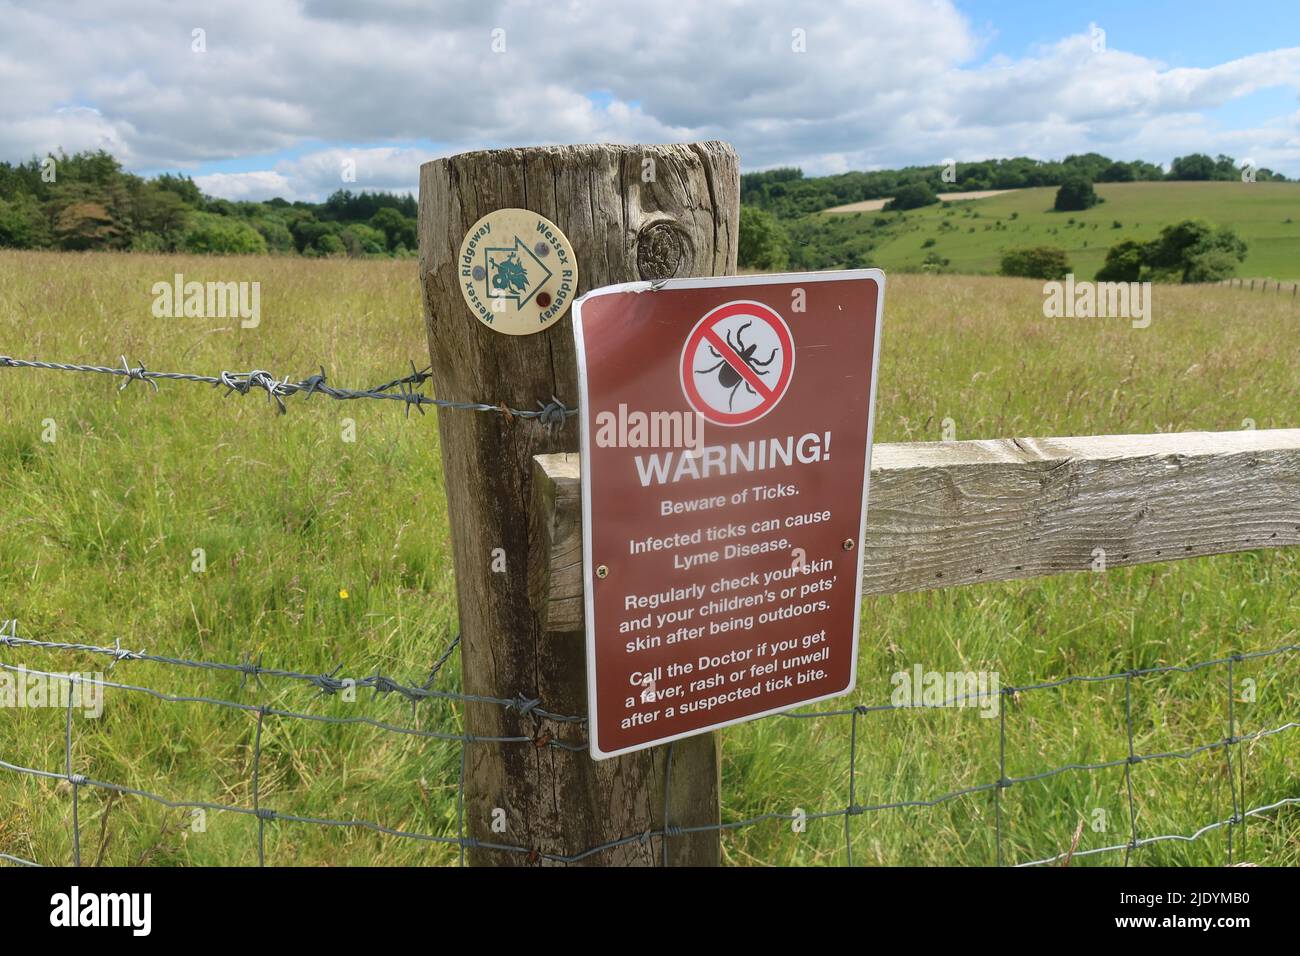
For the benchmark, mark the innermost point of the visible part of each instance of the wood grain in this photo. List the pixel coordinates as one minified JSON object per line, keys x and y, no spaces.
{"x":948,"y":513}
{"x":627,"y":219}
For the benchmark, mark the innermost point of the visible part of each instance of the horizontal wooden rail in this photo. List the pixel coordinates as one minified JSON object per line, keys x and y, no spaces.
{"x":949,"y":513}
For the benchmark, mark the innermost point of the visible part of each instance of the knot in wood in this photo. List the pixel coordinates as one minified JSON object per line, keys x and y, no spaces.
{"x":660,"y":251}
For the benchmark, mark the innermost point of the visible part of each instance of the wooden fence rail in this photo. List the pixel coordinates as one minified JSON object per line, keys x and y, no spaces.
{"x":950,"y":513}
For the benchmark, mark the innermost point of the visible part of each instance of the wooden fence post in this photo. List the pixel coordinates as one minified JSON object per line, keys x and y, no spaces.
{"x":630,"y":213}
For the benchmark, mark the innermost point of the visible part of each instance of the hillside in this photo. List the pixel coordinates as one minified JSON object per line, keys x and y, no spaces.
{"x":972,"y":234}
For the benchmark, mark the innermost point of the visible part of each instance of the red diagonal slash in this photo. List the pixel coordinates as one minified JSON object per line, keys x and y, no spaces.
{"x":732,"y":358}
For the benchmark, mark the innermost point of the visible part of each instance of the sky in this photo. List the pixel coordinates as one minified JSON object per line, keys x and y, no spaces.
{"x":298,"y":98}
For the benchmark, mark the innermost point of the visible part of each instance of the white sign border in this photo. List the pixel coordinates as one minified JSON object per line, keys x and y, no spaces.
{"x":588,"y":575}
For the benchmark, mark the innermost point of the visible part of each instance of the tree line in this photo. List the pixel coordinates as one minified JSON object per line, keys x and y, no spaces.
{"x":87,"y":201}
{"x":786,"y":194}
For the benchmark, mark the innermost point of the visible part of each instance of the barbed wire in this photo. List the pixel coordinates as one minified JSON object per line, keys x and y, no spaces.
{"x":552,"y":413}
{"x":667,"y":832}
{"x":326,"y":683}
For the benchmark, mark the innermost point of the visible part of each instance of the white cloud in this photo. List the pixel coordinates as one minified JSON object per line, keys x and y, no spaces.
{"x":255,"y":185}
{"x":881,"y":83}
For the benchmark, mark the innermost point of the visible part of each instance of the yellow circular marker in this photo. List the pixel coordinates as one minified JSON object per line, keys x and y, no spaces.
{"x":518,"y":272}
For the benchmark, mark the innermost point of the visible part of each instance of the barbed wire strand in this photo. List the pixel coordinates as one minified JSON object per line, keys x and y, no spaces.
{"x":552,"y":413}
{"x":298,"y":715}
{"x":668,"y":830}
{"x":327,"y":683}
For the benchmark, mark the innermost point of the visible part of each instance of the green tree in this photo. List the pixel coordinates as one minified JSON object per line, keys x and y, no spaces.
{"x":181,"y":186}
{"x":22,"y":224}
{"x":1211,"y":265}
{"x":1194,"y":251}
{"x":1195,"y":166}
{"x":362,"y":240}
{"x":328,"y":245}
{"x":1075,"y":194}
{"x":307,"y":230}
{"x":159,"y":211}
{"x":277,"y":235}
{"x":1117,"y":173}
{"x":88,"y":225}
{"x":398,"y":230}
{"x":764,"y":243}
{"x":912,"y":196}
{"x":1036,"y":262}
{"x":220,"y":235}
{"x":149,"y":242}
{"x":1123,"y":262}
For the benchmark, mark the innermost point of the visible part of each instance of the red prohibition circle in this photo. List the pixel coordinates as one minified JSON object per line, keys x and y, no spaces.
{"x":704,"y":329}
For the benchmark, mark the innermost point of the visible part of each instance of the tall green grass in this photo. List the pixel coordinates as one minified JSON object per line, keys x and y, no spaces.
{"x":100,"y":527}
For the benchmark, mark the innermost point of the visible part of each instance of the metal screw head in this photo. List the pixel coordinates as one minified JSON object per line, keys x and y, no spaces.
{"x":848,"y":544}
{"x":602,"y":571}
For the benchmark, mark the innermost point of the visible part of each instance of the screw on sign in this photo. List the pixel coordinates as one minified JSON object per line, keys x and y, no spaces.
{"x":726,"y":442}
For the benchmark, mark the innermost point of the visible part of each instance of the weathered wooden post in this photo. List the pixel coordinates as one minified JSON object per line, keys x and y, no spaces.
{"x":630,"y":213}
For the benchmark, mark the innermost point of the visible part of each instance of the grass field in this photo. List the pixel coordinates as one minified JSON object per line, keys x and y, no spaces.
{"x":973,"y":234}
{"x":100,"y":527}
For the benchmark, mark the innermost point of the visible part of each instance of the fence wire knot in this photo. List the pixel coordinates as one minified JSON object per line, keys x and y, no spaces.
{"x":250,"y":668}
{"x":315,"y":383}
{"x":525,"y":705}
{"x":137,"y":374}
{"x":381,"y":684}
{"x":553,"y":413}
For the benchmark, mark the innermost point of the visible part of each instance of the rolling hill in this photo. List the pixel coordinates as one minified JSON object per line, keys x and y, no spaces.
{"x":972,"y":234}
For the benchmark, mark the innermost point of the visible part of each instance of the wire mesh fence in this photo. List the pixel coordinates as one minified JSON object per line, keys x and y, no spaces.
{"x":564,"y":735}
{"x":573,"y":745}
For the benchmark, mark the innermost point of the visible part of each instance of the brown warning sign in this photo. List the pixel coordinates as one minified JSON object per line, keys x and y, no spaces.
{"x":726,"y":446}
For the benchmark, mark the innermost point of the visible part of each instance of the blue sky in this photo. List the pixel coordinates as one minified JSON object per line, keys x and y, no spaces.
{"x":1187,"y":34}
{"x":1181,"y":34}
{"x":286,"y":95}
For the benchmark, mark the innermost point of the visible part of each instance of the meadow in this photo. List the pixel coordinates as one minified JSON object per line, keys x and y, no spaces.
{"x":321,"y":552}
{"x":972,"y":234}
